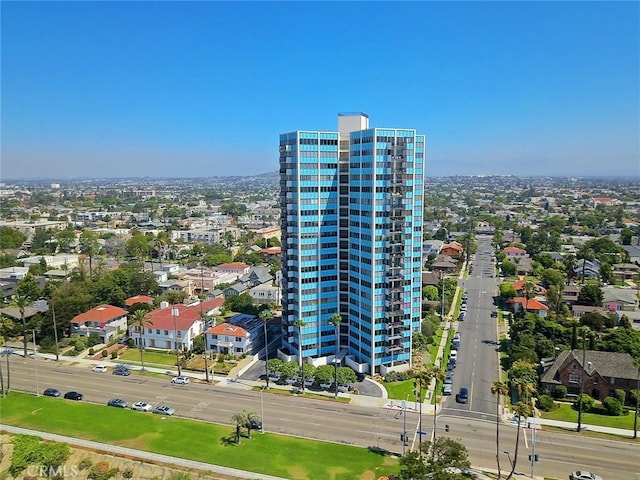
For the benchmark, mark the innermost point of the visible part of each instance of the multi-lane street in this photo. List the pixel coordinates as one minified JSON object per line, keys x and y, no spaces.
{"x":324,"y":420}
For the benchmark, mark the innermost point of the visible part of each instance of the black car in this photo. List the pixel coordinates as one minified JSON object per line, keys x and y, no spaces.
{"x":118,"y":403}
{"x":462,"y":396}
{"x":122,"y":372}
{"x":73,"y":395}
{"x":255,"y":424}
{"x":51,"y":392}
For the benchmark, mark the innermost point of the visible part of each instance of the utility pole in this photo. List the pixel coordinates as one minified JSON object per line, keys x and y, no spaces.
{"x":55,"y":329}
{"x":35,"y":362}
{"x":206,"y":365}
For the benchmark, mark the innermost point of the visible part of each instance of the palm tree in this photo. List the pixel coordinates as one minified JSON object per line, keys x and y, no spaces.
{"x":265,"y":316}
{"x":249,"y":416}
{"x":140,"y":320}
{"x":529,"y":290}
{"x":21,"y":302}
{"x":301,"y":323}
{"x":422,"y":378}
{"x":240,"y":419}
{"x":521,"y":409}
{"x":5,"y":324}
{"x":335,"y":320}
{"x":500,"y":389}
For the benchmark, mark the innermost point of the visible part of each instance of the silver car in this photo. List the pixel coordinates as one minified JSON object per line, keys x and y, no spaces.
{"x":164,"y":410}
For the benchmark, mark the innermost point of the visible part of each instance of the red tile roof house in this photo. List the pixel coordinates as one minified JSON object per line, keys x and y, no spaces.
{"x":138,"y":299}
{"x":241,"y":334}
{"x":171,"y":325}
{"x":514,"y":252}
{"x":532,"y":305}
{"x":106,"y":321}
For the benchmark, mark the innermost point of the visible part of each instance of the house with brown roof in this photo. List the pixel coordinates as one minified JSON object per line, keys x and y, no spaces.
{"x":599,"y":376}
{"x":106,"y":321}
{"x":453,"y":249}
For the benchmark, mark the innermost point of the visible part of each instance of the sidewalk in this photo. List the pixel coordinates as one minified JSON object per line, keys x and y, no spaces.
{"x":539,"y":423}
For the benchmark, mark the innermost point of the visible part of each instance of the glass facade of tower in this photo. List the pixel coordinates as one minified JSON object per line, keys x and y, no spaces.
{"x":352,"y":243}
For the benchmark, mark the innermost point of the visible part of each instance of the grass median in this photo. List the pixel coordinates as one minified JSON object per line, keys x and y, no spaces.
{"x":279,"y":455}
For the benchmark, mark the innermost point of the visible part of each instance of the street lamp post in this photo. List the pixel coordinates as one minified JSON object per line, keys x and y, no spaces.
{"x":174,"y":312}
{"x":509,"y":457}
{"x":35,"y":362}
{"x":404,"y":428}
{"x":583,"y":374}
{"x":206,"y":364}
{"x":55,"y":329}
{"x":635,"y":419}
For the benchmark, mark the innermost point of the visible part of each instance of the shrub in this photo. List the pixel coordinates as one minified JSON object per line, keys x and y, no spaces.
{"x":587,"y":403}
{"x":560,"y":392}
{"x":633,"y":396}
{"x":396,"y":377}
{"x":114,"y":354}
{"x":84,"y":464}
{"x":546,"y":403}
{"x":92,"y":351}
{"x":105,"y":353}
{"x":102,"y":471}
{"x":613,"y":406}
{"x":127,"y":473}
{"x":620,"y":395}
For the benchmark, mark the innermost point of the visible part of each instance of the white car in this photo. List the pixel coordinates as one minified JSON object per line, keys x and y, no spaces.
{"x":180,"y":380}
{"x":99,"y":369}
{"x":454,"y":354}
{"x":582,"y":475}
{"x":142,"y":407}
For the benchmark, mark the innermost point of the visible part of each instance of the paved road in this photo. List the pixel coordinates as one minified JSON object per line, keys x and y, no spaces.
{"x":477,"y":365}
{"x":325,"y":420}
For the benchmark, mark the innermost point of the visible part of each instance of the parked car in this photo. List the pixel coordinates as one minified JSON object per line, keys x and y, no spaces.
{"x":274,"y":377}
{"x":118,"y":403}
{"x":453,"y":355}
{"x":51,"y":392}
{"x":122,"y":371}
{"x":326,"y":386}
{"x":142,"y":407}
{"x":180,"y":380}
{"x":463,"y":395}
{"x":255,"y":424}
{"x":446,"y":389}
{"x":451,"y":365}
{"x":448,"y":378}
{"x":461,"y":317}
{"x":73,"y":395}
{"x":99,"y":369}
{"x":494,"y":314}
{"x":124,"y":340}
{"x":582,"y":475}
{"x":343,"y":388}
{"x":164,"y":410}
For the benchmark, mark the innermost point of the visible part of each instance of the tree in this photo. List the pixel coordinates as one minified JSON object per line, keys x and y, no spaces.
{"x":521,"y":409}
{"x":28,"y":287}
{"x":323,"y":374}
{"x":591,"y":294}
{"x":65,"y":238}
{"x":435,"y":461}
{"x":11,"y":238}
{"x":300,"y":323}
{"x":500,"y":389}
{"x":240,"y":419}
{"x":336,"y":320}
{"x":21,"y":302}
{"x":265,"y":316}
{"x":140,"y":320}
{"x":431,"y":293}
{"x":89,"y":246}
{"x":275,"y":365}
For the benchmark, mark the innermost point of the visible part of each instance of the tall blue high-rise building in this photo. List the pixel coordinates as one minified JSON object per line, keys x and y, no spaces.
{"x":352,"y":205}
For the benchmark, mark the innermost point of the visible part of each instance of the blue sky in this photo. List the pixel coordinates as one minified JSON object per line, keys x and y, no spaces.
{"x":187,"y":89}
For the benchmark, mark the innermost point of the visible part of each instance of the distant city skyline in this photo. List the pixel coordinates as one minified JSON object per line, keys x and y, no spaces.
{"x":202,"y":89}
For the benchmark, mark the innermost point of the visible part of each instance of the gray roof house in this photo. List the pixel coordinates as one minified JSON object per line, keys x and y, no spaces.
{"x":600,"y":375}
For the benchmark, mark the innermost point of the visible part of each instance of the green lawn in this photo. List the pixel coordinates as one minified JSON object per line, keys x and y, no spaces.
{"x":151,"y":357}
{"x":282,"y":456}
{"x":567,"y":414}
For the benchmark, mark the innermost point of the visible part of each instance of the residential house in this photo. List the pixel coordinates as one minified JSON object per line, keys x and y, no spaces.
{"x":514,"y":252}
{"x":239,"y":335}
{"x":570,"y":294}
{"x":170,"y":326}
{"x":138,"y":299}
{"x":265,"y":293}
{"x":430,"y":247}
{"x":453,"y":249}
{"x":531,"y":305}
{"x":584,"y":268}
{"x":237,"y":268}
{"x":626,"y":271}
{"x":579,"y":310}
{"x":599,"y":376}
{"x":633,"y":251}
{"x":173,"y":285}
{"x":620,"y":299}
{"x":106,"y":321}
